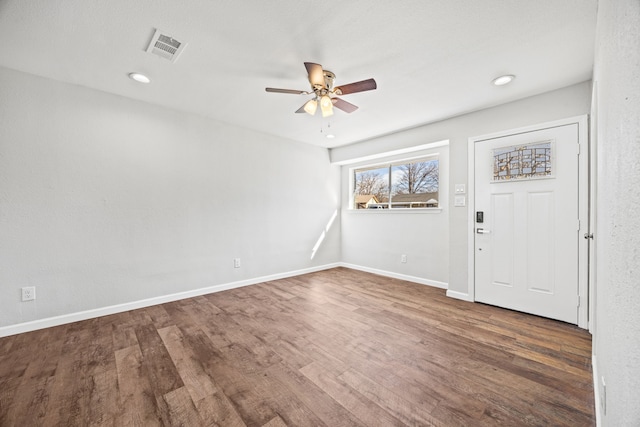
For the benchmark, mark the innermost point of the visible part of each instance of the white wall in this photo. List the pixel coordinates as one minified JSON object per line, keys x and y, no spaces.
{"x":567,"y":102}
{"x":105,"y":200}
{"x":374,"y":240}
{"x":617,"y":329}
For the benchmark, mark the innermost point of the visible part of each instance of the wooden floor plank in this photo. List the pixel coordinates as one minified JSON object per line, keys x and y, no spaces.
{"x":275,"y":422}
{"x":136,"y":399}
{"x":404,"y":410}
{"x":217,"y":410}
{"x":160,"y":369}
{"x":104,"y":405}
{"x":239,"y":389}
{"x":332,"y":348}
{"x":364,"y":409}
{"x":182,"y":411}
{"x":123,"y":332}
{"x":324,"y":406}
{"x":196,"y":381}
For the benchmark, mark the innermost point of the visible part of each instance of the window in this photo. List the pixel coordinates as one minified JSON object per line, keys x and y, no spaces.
{"x":405,"y":184}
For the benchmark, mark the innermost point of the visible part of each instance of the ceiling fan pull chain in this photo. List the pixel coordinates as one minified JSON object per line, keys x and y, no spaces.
{"x":328,"y":126}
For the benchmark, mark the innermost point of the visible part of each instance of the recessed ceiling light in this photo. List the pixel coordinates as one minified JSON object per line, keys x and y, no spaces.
{"x":139,"y":77}
{"x":330,"y":136}
{"x":503,"y":80}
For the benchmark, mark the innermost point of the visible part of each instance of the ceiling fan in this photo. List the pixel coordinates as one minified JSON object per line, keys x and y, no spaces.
{"x":322,"y":87}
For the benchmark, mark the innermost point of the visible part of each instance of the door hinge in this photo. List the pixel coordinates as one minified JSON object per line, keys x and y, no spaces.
{"x":578,"y":301}
{"x":578,"y":225}
{"x":578,"y":149}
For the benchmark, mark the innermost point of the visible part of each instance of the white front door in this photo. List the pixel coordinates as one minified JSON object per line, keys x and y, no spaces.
{"x":526,"y":247}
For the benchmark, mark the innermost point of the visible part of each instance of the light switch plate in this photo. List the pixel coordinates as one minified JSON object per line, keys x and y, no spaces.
{"x":460,"y":201}
{"x":460,"y":189}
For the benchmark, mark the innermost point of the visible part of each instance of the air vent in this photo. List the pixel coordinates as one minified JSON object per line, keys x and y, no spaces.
{"x":165,"y":46}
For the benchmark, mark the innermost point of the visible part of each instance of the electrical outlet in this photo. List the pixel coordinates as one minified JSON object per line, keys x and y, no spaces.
{"x":28,"y":293}
{"x":403,"y":258}
{"x":236,"y":263}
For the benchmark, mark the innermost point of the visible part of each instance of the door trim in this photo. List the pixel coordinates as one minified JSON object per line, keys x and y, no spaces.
{"x":583,"y":208}
{"x":593,"y":210}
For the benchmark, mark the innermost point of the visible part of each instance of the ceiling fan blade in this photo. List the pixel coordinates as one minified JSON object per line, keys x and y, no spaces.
{"x":301,"y":109}
{"x":343,"y":105}
{"x":361,"y":86}
{"x":316,"y":75}
{"x":291,"y":91}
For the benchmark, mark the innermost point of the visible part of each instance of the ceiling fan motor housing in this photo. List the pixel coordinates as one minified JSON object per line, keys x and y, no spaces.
{"x":329,"y":78}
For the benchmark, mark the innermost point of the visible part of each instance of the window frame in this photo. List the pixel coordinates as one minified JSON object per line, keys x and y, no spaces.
{"x":390,"y":164}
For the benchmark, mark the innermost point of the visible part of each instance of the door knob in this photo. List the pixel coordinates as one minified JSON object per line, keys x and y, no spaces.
{"x":482,"y":231}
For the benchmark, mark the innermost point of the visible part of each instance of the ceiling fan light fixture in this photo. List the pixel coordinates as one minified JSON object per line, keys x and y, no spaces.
{"x":326,"y":106}
{"x":311,"y":106}
{"x":503,"y":80}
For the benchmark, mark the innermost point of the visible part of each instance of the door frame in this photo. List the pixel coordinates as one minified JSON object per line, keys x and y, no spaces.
{"x":583,"y":207}
{"x":593,"y":210}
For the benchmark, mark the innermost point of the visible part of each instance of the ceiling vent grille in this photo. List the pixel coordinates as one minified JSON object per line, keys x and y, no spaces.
{"x":165,"y":46}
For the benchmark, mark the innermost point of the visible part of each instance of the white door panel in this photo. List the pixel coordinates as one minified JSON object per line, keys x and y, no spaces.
{"x":502,"y":260}
{"x":526,"y":256}
{"x":540,"y":249}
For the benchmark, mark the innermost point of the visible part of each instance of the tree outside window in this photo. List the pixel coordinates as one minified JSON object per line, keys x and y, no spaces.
{"x":412,"y":184}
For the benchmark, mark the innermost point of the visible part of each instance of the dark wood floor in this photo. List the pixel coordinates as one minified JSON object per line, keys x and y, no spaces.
{"x":334,"y":348}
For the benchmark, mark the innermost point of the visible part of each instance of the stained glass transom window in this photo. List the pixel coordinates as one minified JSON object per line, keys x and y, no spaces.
{"x":523,"y":161}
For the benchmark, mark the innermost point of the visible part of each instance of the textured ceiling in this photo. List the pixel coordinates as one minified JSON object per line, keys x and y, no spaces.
{"x":431,"y":59}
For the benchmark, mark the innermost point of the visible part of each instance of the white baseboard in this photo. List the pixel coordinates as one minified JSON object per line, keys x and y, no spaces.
{"x":442,"y":285}
{"x":459,"y":295}
{"x":391,"y":274}
{"x":119,"y":308}
{"x":596,"y":390}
